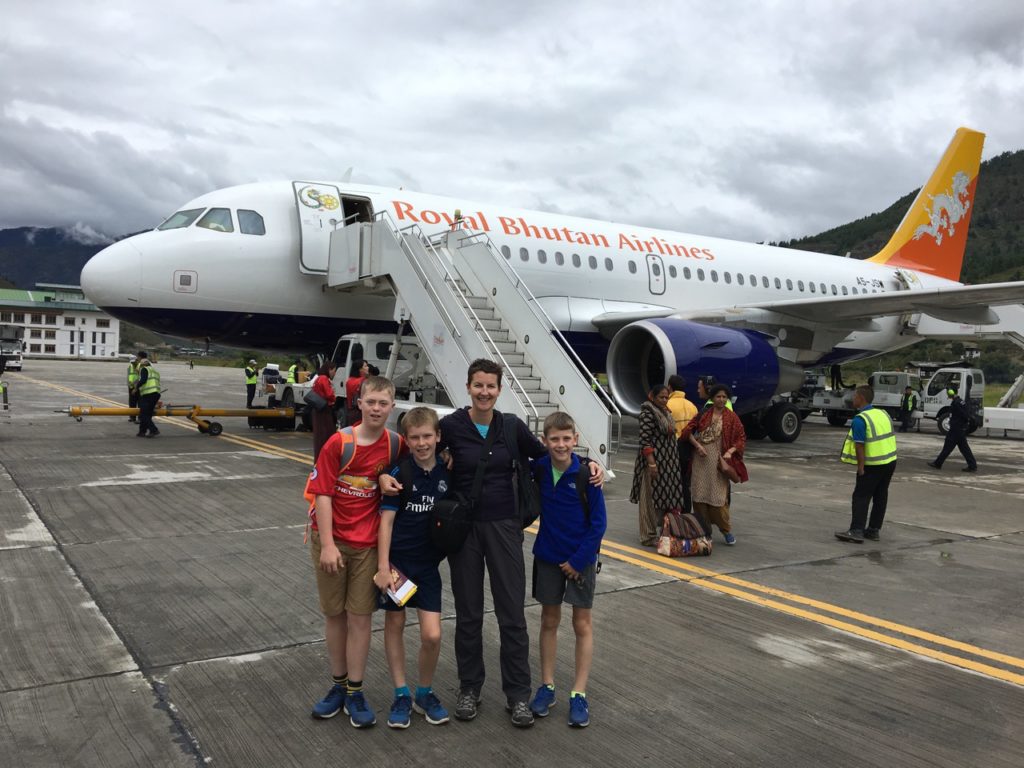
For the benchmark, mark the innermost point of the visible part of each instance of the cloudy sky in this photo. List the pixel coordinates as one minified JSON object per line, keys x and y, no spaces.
{"x":751,"y":120}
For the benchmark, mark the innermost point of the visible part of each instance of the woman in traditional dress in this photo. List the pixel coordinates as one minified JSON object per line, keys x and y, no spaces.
{"x":657,"y":481}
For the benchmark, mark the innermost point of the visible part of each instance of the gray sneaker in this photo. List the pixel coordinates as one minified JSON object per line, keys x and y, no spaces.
{"x":466,"y":704}
{"x":522,"y":717}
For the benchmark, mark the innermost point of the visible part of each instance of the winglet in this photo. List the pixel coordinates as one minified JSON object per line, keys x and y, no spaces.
{"x":933,"y":234}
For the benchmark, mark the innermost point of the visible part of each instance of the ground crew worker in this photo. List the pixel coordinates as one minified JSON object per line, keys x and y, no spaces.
{"x":956,"y":437}
{"x":251,"y":377}
{"x":293,"y":372}
{"x":133,"y":385}
{"x":871,"y":446}
{"x":149,"y":395}
{"x":907,"y":407}
{"x":704,"y":383}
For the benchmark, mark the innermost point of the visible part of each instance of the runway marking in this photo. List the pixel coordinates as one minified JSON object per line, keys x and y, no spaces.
{"x":733,"y":586}
{"x":729,"y":585}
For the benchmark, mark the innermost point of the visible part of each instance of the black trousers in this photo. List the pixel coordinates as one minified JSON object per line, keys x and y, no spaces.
{"x":133,"y":400}
{"x":250,"y":393}
{"x":499,"y":545}
{"x":872,"y":489}
{"x":957,"y":438}
{"x":906,"y":418}
{"x":147,"y":404}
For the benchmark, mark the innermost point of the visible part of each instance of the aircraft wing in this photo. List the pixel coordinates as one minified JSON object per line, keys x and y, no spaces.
{"x":970,"y":304}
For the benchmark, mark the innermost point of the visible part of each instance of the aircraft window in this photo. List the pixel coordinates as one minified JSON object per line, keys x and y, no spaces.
{"x":181,"y":219}
{"x":789,"y":284}
{"x":845,"y":292}
{"x":812,"y":287}
{"x":632,"y":267}
{"x":672,"y":270}
{"x":576,"y":260}
{"x":506,"y":252}
{"x":800,"y":285}
{"x":217,"y":219}
{"x":559,"y":258}
{"x":608,"y":264}
{"x":778,"y":283}
{"x":655,"y":269}
{"x":524,"y":254}
{"x":753,"y":280}
{"x":542,"y":257}
{"x":739,"y":278}
{"x":714,"y":276}
{"x":250,"y":223}
{"x":687,"y":273}
{"x":592,"y":261}
{"x":728,"y":277}
{"x":835,"y":291}
{"x":764,"y":281}
{"x":700,"y":274}
{"x":855,"y":291}
{"x":184,"y":280}
{"x":824,"y":290}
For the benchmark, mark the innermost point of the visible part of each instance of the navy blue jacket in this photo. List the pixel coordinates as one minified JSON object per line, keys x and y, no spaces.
{"x":566,"y":534}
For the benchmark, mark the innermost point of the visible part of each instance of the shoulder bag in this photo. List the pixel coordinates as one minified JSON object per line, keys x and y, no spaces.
{"x":452,"y":517}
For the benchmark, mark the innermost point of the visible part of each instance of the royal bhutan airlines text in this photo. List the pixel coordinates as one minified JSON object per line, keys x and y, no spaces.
{"x":522,"y":228}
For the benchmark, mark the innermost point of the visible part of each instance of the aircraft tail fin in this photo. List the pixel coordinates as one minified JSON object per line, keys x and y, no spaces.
{"x":933,"y":234}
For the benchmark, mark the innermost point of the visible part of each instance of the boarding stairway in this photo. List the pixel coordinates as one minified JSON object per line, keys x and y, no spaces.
{"x":465,"y":302}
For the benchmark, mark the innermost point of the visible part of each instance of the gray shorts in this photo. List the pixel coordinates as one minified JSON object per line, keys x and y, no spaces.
{"x":551,"y":587}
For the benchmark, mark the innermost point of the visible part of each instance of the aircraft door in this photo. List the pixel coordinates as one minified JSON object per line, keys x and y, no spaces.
{"x":656,"y":274}
{"x":319,"y":208}
{"x":909,"y":281}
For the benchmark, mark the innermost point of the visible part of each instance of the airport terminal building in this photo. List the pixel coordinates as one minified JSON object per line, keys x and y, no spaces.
{"x":60,"y":323}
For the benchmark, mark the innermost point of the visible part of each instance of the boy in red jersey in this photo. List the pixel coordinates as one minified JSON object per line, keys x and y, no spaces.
{"x":347,"y":501}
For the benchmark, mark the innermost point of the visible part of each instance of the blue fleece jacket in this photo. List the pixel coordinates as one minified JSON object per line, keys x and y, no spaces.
{"x":565,"y":533}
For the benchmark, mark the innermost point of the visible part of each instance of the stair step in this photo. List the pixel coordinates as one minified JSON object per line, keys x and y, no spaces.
{"x":484,"y":314}
{"x":499,"y":335}
{"x":505,"y":346}
{"x":520,"y":371}
{"x":491,"y":324}
{"x":478,"y":302}
{"x":514,"y":359}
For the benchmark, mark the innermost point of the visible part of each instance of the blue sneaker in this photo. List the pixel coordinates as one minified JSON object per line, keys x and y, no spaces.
{"x":401,"y":711}
{"x":543,"y":701}
{"x":579,"y":711}
{"x":329,"y":705}
{"x":358,"y":711}
{"x":430,"y":707}
{"x":730,"y":539}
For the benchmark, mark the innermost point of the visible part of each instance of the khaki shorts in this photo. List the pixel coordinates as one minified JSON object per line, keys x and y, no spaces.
{"x":351,"y":588}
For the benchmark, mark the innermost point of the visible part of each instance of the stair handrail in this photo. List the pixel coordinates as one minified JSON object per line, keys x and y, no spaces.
{"x":439,"y":261}
{"x":524,"y":290}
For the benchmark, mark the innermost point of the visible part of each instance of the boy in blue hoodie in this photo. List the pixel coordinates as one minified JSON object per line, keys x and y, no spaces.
{"x":565,"y":561}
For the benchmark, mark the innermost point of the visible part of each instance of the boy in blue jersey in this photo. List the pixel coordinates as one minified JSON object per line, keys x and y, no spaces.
{"x":404,"y":542}
{"x":565,"y":561}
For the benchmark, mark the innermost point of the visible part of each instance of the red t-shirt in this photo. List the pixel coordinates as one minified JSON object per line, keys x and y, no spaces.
{"x":354,"y":492}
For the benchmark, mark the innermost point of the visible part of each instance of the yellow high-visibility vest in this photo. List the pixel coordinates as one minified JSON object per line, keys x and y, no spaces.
{"x":133,"y":374}
{"x":291,"y":374}
{"x":152,"y":382}
{"x":880,"y":441}
{"x":251,"y":376}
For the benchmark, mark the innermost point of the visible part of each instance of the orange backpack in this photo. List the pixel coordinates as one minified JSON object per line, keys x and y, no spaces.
{"x":348,"y":452}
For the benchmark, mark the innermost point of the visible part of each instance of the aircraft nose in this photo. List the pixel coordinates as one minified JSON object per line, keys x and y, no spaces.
{"x":112,"y":278}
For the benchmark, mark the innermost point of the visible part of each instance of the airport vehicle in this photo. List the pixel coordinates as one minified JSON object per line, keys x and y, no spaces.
{"x":195,"y":413}
{"x":1003,"y":420}
{"x":837,"y":405}
{"x":328,"y":258}
{"x":968,"y":382}
{"x":12,"y":346}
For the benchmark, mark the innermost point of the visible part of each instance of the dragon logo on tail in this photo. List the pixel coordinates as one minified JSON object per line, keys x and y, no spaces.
{"x":947,"y":210}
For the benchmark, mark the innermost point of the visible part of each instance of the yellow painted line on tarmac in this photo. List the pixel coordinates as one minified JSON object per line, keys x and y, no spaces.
{"x":726,"y":584}
{"x":705,"y":577}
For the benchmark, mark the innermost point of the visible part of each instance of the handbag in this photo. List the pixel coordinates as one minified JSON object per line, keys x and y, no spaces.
{"x":526,"y":492}
{"x":682,"y":535}
{"x":315,"y":399}
{"x":733,"y":468}
{"x":451,"y":520}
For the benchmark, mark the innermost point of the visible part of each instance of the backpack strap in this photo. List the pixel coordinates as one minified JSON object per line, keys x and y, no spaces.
{"x":582,"y":484}
{"x":348,"y":447}
{"x":406,"y":478}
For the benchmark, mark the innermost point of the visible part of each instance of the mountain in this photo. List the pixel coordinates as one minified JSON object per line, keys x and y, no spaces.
{"x":995,"y":241}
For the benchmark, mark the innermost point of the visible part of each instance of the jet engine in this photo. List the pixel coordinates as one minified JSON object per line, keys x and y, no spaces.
{"x":647,"y":352}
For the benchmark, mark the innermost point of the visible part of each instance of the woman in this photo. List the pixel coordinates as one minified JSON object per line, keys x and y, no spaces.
{"x":657,"y":481}
{"x":357,"y":373}
{"x":324,"y":423}
{"x":715,"y":434}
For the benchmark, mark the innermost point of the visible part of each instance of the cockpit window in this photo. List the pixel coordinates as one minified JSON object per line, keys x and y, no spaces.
{"x":181,"y":219}
{"x":217,"y":219}
{"x":250,"y":223}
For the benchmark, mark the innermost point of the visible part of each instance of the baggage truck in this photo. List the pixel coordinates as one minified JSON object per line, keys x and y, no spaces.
{"x":12,"y":346}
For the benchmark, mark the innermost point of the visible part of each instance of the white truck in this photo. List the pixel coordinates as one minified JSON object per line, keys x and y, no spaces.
{"x":933,"y":400}
{"x":12,"y":346}
{"x":408,"y":370}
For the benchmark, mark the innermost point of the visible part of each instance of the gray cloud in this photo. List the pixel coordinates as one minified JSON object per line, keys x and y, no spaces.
{"x":756,"y":122}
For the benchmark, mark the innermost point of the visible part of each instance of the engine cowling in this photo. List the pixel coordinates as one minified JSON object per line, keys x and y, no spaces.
{"x":647,"y":352}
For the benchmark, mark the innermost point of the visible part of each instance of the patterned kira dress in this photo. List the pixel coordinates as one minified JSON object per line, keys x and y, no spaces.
{"x":657,"y":432}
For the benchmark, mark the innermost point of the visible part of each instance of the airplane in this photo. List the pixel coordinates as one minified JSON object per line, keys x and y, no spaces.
{"x":639,"y":303}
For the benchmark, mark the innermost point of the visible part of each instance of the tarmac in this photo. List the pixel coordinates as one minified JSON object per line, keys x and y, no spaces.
{"x":157,"y":608}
